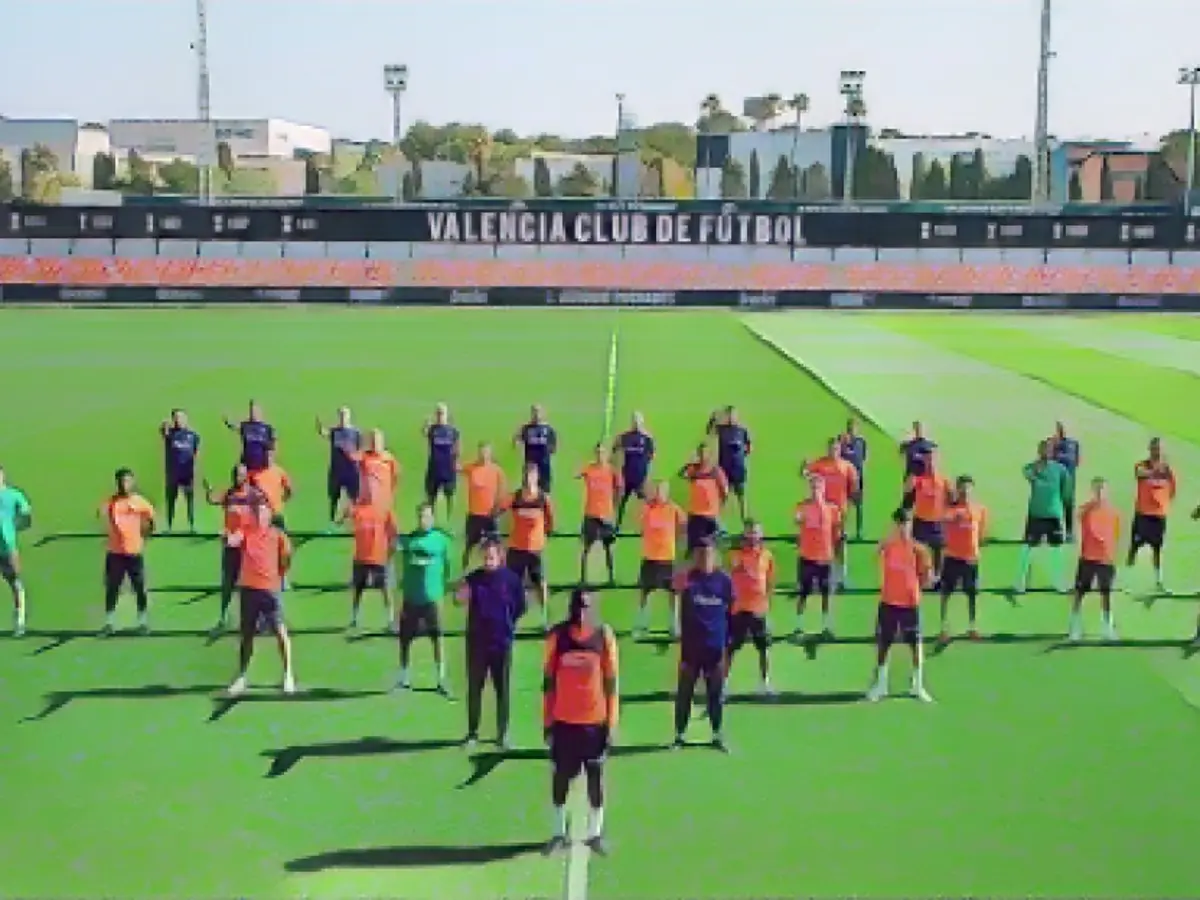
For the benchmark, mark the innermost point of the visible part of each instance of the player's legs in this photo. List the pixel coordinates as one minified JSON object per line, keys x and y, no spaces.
{"x":358,"y":586}
{"x":333,"y":493}
{"x":114,"y":577}
{"x":537,"y":577}
{"x":385,"y":585}
{"x":249,"y":613}
{"x":760,"y":636}
{"x":910,"y":630}
{"x":272,"y":616}
{"x":231,"y":561}
{"x":408,"y":633}
{"x":608,"y":537}
{"x":499,"y":669}
{"x":10,"y":571}
{"x":1105,"y":578}
{"x":885,"y":635}
{"x":685,"y":692}
{"x":824,"y":584}
{"x":857,"y":500}
{"x":137,"y":580}
{"x":632,"y":489}
{"x":593,"y":770}
{"x":950,"y":580}
{"x":970,"y":586}
{"x":739,"y":491}
{"x":433,"y":629}
{"x":1084,"y":578}
{"x":1069,"y":509}
{"x":714,"y":683}
{"x":588,"y":539}
{"x":187,"y":486}
{"x":804,"y":587}
{"x":565,"y":766}
{"x":172,"y":498}
{"x":476,"y":675}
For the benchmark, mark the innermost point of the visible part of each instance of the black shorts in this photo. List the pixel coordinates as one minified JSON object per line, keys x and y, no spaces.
{"x":119,"y":566}
{"x":704,"y":661}
{"x":736,"y":476}
{"x":656,"y":575}
{"x":1094,"y":576}
{"x":928,"y":533}
{"x":897,"y":622}
{"x":259,"y":609}
{"x":1043,"y":530}
{"x":443,"y":483}
{"x":279,"y":522}
{"x":368,"y":576}
{"x":701,"y":530}
{"x":958,"y":574}
{"x":420,"y":619}
{"x":635,"y":484}
{"x":812,"y":577}
{"x":181,"y":478}
{"x":576,"y":747}
{"x":342,"y":483}
{"x":231,"y":566}
{"x":597,"y":531}
{"x":478,"y":528}
{"x":747,"y":626}
{"x":527,"y":565}
{"x":1148,"y":531}
{"x":8,"y":567}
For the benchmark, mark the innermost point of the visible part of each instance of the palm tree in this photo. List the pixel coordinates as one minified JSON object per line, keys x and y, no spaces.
{"x":799,"y":106}
{"x":774,"y":106}
{"x":710,"y":106}
{"x":480,"y":152}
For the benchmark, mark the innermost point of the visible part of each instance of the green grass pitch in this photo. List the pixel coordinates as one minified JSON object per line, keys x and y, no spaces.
{"x":1041,"y":770}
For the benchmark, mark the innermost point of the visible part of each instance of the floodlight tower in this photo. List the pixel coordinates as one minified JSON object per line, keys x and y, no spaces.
{"x":620,"y":136}
{"x":395,"y":82}
{"x":207,"y":147}
{"x":1190,"y":77}
{"x":850,"y":86}
{"x":1041,"y":129}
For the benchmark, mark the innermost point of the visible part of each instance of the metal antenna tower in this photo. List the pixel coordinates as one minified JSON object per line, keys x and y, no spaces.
{"x":1041,"y":137}
{"x":203,"y":104}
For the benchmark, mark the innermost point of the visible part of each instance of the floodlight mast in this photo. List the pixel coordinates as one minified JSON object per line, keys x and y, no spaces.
{"x":395,"y":82}
{"x":616,"y":187}
{"x":850,"y":86}
{"x":1041,"y":129}
{"x":1190,"y":78}
{"x":207,"y":146}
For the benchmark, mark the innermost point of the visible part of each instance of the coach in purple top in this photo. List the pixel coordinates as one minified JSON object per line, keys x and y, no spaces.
{"x":495,"y":600}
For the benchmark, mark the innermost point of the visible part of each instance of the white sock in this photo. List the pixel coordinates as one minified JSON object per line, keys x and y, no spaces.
{"x":596,"y":822}
{"x":110,"y":619}
{"x":545,"y":614}
{"x":144,"y":617}
{"x":642,"y":617}
{"x":881,"y":675}
{"x":827,"y":620}
{"x":560,"y":821}
{"x":845,"y":575}
{"x":1158,"y":575}
{"x":1023,"y":568}
{"x":404,"y":674}
{"x":441,"y":671}
{"x":1076,"y":624}
{"x":918,"y":677}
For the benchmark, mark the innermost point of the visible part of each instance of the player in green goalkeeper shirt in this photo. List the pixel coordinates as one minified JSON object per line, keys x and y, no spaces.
{"x":15,"y":515}
{"x":425,"y":572}
{"x":1049,"y":488}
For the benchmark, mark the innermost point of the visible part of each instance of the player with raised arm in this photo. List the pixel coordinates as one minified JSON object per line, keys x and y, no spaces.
{"x":237,"y":504}
{"x":1100,"y":530}
{"x":580,"y":709}
{"x":840,"y":480}
{"x":275,"y":484}
{"x":926,"y":496}
{"x":965,"y":525}
{"x":1048,"y":488}
{"x":424,"y":580}
{"x":601,"y":486}
{"x":1065,"y":451}
{"x":854,"y":451}
{"x":907,"y":570}
{"x":819,"y":525}
{"x":266,"y":557}
{"x":256,"y":435}
{"x":708,"y":489}
{"x":1156,"y":489}
{"x":662,"y":524}
{"x":441,"y":470}
{"x":915,"y":448}
{"x":16,"y":515}
{"x":486,"y":487}
{"x":181,"y":446}
{"x":345,"y":440}
{"x":752,"y":569}
{"x":375,"y":533}
{"x":733,"y":451}
{"x":636,"y":449}
{"x":378,"y":470}
{"x":129,"y":518}
{"x":532,"y":515}
{"x":538,"y":442}
{"x":706,"y":598}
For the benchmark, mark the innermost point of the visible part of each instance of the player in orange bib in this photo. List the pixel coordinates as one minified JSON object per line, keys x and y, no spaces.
{"x":1100,"y":530}
{"x":708,"y":488}
{"x":532,"y":516}
{"x":378,"y":470}
{"x":1156,"y":488}
{"x":926,"y":495}
{"x":965,"y":527}
{"x":375,"y":531}
{"x":276,"y":485}
{"x":752,"y":568}
{"x":840,"y":478}
{"x":907,"y":570}
{"x":237,"y":502}
{"x":602,"y":486}
{"x":580,"y":709}
{"x":486,"y":485}
{"x":819,"y":525}
{"x":663,"y":522}
{"x":129,"y":518}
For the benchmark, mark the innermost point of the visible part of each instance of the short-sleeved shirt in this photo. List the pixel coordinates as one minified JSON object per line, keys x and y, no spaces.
{"x":1156,"y":490}
{"x":820,"y":527}
{"x":264,"y":552}
{"x":257,"y":439}
{"x":14,"y":508}
{"x":380,"y":473}
{"x":127,"y":518}
{"x":180,"y":446}
{"x":1099,"y":531}
{"x":485,"y":484}
{"x":840,"y":477}
{"x":1066,"y":453}
{"x":426,"y":564}
{"x":275,"y":485}
{"x":540,"y":441}
{"x":661,"y":524}
{"x":580,"y":672}
{"x":601,"y":484}
{"x":706,"y":599}
{"x":964,"y":525}
{"x":752,"y":570}
{"x":854,"y":451}
{"x":707,"y":489}
{"x":443,"y":449}
{"x":375,"y":531}
{"x":236,"y":505}
{"x":637,"y":452}
{"x":1048,"y":487}
{"x":916,"y":450}
{"x":930,"y":494}
{"x":905,"y":565}
{"x":344,"y":442}
{"x":532,"y":521}
{"x":733,"y":446}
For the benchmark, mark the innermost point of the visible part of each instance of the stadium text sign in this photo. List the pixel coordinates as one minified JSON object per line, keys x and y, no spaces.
{"x":474,"y":226}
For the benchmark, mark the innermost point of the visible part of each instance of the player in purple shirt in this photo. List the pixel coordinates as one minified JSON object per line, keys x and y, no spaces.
{"x":705,"y":602}
{"x":539,"y":441}
{"x":916,"y":449}
{"x":258,"y":438}
{"x":441,"y":472}
{"x":854,"y":451}
{"x":636,"y":449}
{"x":181,"y":446}
{"x":344,"y":442}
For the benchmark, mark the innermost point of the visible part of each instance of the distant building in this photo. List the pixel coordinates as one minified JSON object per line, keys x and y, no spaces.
{"x":74,"y":145}
{"x":187,"y":139}
{"x":560,"y":165}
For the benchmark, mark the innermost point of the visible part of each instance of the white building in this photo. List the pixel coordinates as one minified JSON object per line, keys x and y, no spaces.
{"x":165,"y":139}
{"x":1000,"y":155}
{"x":73,"y":144}
{"x":560,"y":165}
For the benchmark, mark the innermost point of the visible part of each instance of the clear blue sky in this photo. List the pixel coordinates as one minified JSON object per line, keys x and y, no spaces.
{"x":554,"y":65}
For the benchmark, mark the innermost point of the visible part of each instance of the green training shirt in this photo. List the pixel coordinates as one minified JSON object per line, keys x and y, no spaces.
{"x":14,"y":510}
{"x":426,"y":566}
{"x":1049,"y":485}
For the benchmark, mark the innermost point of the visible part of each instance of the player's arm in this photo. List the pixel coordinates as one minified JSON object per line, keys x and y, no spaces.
{"x":286,"y":484}
{"x":910,"y":492}
{"x":1031,"y":470}
{"x":924,"y":568}
{"x":519,"y":437}
{"x":749,"y":443}
{"x":212,"y":497}
{"x":985,"y":525}
{"x":24,"y":512}
{"x":722,"y":484}
{"x":685,"y":471}
{"x":1171,"y":483}
{"x":610,"y":668}
{"x":322,"y":431}
{"x":463,"y":593}
{"x":344,"y":511}
{"x":285,"y":554}
{"x":230,"y":424}
{"x":391,"y":529}
{"x":1142,"y":471}
{"x":549,"y":682}
{"x":618,"y":484}
{"x":713,"y":423}
{"x":770,"y":576}
{"x":551,"y":440}
{"x":548,"y":511}
{"x":147,"y":514}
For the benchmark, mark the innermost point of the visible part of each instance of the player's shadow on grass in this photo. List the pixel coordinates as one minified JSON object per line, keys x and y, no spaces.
{"x":411,"y":857}
{"x":287,"y":758}
{"x":484,"y":764}
{"x":1186,"y":647}
{"x":783,"y":698}
{"x":223,"y":706}
{"x":1149,"y":600}
{"x":58,"y":700}
{"x":522,"y":636}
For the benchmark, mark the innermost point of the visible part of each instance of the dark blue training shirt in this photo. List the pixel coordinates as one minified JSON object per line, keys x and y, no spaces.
{"x":342,"y":442}
{"x":733,"y":446}
{"x":181,"y":446}
{"x":637,"y":451}
{"x":540,"y":441}
{"x":257,"y":439}
{"x":495,"y":604}
{"x":443,"y":439}
{"x":704,"y":610}
{"x":854,"y":451}
{"x":1066,"y":453}
{"x":915,"y":451}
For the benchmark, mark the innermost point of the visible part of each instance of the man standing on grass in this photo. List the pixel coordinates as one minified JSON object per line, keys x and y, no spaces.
{"x":266,"y":556}
{"x":425,"y":575}
{"x":16,"y":514}
{"x":344,"y":441}
{"x":539,"y":442}
{"x":636,"y":448}
{"x":237,"y":503}
{"x":752,"y":567}
{"x":1065,"y":451}
{"x":926,"y":496}
{"x":181,"y":446}
{"x":532,"y":516}
{"x":840,"y":480}
{"x":129,"y":518}
{"x":1048,"y":487}
{"x":965,"y":527}
{"x":915,"y":448}
{"x":706,"y":597}
{"x":907,"y":570}
{"x":1100,"y":529}
{"x":375,"y":533}
{"x":1156,"y":488}
{"x":256,"y":435}
{"x":820,"y":528}
{"x":495,"y":599}
{"x":662,"y":524}
{"x":733,"y":449}
{"x":854,"y":451}
{"x":486,"y":487}
{"x":708,"y":487}
{"x":378,"y":470}
{"x":441,"y":471}
{"x":601,"y":487}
